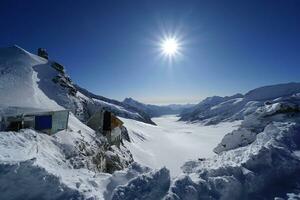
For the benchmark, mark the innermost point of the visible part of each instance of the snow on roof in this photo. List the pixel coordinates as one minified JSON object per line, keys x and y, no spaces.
{"x":14,"y":111}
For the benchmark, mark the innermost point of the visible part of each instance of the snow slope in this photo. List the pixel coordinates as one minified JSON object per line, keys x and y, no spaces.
{"x":27,"y":80}
{"x":172,"y":142}
{"x":119,"y":108}
{"x":213,"y":110}
{"x":71,"y":163}
{"x":63,"y":166}
{"x":156,"y":110}
{"x":258,"y":160}
{"x":67,"y":163}
{"x":18,"y":80}
{"x":267,"y":166}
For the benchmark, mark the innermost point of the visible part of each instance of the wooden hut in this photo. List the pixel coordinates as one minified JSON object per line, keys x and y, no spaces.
{"x":108,"y":124}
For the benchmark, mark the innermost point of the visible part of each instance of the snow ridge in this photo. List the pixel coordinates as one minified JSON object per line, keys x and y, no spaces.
{"x":264,"y":166}
{"x":156,"y":110}
{"x":213,"y":110}
{"x":27,"y":80}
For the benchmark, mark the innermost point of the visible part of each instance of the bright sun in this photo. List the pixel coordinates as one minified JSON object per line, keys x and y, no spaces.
{"x":169,"y":46}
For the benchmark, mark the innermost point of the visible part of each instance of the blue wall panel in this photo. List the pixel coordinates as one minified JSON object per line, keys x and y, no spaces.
{"x":43,"y":122}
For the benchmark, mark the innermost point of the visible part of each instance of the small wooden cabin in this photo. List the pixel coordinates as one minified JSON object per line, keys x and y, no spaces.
{"x":48,"y":122}
{"x":108,"y":124}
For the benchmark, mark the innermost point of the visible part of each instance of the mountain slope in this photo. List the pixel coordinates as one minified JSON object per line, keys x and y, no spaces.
{"x":213,"y":110}
{"x":259,"y":160}
{"x":28,"y":80}
{"x":69,"y":164}
{"x":155,"y":110}
{"x":119,"y":108}
{"x":19,"y":81}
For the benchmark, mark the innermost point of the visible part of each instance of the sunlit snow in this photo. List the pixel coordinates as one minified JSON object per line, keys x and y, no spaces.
{"x":171,"y":143}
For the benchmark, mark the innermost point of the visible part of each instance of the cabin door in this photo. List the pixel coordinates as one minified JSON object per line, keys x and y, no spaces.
{"x":107,"y":121}
{"x":43,"y":122}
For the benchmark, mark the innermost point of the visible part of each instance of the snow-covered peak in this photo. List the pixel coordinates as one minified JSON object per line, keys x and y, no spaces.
{"x":18,"y":53}
{"x":259,"y":160}
{"x":19,"y":81}
{"x":213,"y":110}
{"x":157,"y":110}
{"x":272,"y":91}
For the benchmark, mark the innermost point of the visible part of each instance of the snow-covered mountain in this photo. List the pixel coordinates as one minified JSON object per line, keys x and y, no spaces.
{"x":72,"y":164}
{"x":28,"y":80}
{"x":213,"y":110}
{"x":259,"y":160}
{"x":156,"y":110}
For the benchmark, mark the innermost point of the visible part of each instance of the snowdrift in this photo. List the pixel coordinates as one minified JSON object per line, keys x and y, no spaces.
{"x":70,"y":163}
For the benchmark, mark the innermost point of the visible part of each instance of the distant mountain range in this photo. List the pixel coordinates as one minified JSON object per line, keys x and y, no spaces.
{"x":213,"y":110}
{"x":258,"y":160}
{"x":157,"y":110}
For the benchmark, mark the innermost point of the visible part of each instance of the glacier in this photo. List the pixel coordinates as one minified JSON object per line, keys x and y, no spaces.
{"x":244,"y":146}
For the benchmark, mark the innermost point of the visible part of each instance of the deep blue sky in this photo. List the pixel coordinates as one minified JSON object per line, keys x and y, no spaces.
{"x":109,"y":47}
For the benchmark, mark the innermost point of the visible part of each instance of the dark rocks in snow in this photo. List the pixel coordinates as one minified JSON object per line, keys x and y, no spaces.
{"x":58,"y":67}
{"x":130,"y":112}
{"x":42,"y":53}
{"x":64,"y":81}
{"x":124,"y":134}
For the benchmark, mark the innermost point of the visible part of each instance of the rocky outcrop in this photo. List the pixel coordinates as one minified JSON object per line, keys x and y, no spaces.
{"x":42,"y":53}
{"x":63,"y":79}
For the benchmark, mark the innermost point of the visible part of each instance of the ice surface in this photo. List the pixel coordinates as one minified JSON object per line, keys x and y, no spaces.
{"x":264,"y":166}
{"x":173,"y":142}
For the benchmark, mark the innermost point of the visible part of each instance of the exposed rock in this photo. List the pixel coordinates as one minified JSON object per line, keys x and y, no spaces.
{"x":58,"y":67}
{"x":42,"y":53}
{"x":124,"y":134}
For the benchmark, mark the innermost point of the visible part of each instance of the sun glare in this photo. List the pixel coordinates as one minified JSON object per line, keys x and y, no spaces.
{"x":169,"y":46}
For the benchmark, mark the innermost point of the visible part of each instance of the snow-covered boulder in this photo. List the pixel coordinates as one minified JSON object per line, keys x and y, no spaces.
{"x":149,"y":186}
{"x":245,"y":172}
{"x":253,"y":124}
{"x":235,"y":139}
{"x":25,"y":180}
